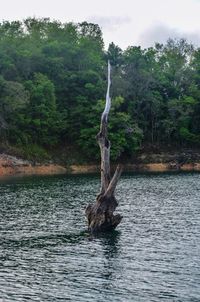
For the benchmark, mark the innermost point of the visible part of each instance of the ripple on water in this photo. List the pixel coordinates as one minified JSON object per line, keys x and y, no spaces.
{"x":46,"y":254}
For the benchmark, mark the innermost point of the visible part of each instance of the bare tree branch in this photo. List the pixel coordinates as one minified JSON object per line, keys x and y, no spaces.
{"x":100,"y":215}
{"x":103,"y":141}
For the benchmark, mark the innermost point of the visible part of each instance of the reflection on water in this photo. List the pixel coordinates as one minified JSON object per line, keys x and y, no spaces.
{"x":46,"y":253}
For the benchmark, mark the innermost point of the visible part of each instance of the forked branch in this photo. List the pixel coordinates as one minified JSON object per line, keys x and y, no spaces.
{"x":100,"y":215}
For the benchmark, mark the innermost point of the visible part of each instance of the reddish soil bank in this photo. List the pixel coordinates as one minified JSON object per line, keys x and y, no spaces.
{"x":10,"y":165}
{"x":152,"y":167}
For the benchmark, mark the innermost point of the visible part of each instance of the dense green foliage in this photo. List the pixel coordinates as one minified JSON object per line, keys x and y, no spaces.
{"x":53,"y":84}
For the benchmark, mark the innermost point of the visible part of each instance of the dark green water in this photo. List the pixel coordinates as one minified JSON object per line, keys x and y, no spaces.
{"x":46,"y":255}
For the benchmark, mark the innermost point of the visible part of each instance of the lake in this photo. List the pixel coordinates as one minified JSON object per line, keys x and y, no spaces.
{"x":46,"y":253}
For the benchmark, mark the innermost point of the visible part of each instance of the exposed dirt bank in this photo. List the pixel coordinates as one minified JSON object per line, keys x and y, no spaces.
{"x":11,"y":166}
{"x":187,"y":160}
{"x":152,"y":167}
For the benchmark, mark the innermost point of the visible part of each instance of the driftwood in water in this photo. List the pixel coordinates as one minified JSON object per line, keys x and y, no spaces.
{"x":100,"y":214}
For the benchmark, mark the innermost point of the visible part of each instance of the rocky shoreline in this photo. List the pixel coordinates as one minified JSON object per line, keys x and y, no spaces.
{"x":13,"y":166}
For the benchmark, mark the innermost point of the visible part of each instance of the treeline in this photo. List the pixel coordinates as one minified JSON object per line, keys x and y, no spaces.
{"x":53,"y":83}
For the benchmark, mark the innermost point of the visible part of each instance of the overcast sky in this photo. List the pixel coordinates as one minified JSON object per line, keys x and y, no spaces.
{"x":125,"y":22}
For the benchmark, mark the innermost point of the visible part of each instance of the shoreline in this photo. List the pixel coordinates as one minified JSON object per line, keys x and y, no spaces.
{"x":12,"y":166}
{"x":150,"y":167}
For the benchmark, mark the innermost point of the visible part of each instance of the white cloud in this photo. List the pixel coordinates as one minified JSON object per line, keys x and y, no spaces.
{"x":161,"y":33}
{"x":109,"y":23}
{"x":126,"y":22}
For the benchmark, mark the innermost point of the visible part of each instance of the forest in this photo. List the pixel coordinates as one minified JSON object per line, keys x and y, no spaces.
{"x":53,"y":79}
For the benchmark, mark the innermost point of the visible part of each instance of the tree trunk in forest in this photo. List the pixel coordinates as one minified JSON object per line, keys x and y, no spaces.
{"x":100,"y":214}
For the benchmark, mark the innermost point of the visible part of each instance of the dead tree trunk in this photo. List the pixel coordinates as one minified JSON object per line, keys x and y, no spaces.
{"x":100,"y":214}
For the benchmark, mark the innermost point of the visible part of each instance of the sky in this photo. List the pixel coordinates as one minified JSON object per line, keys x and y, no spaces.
{"x":124,"y":22}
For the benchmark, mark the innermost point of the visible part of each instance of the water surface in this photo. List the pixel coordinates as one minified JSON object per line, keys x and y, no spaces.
{"x":47,"y":255}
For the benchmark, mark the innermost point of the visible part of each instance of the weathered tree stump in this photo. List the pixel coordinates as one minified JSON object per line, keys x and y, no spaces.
{"x":100,"y":214}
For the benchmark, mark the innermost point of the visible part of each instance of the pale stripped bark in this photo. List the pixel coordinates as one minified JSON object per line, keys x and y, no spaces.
{"x":100,"y":215}
{"x":103,"y":141}
{"x":104,"y":145}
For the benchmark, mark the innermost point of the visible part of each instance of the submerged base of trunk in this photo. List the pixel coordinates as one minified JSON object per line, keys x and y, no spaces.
{"x":100,"y":215}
